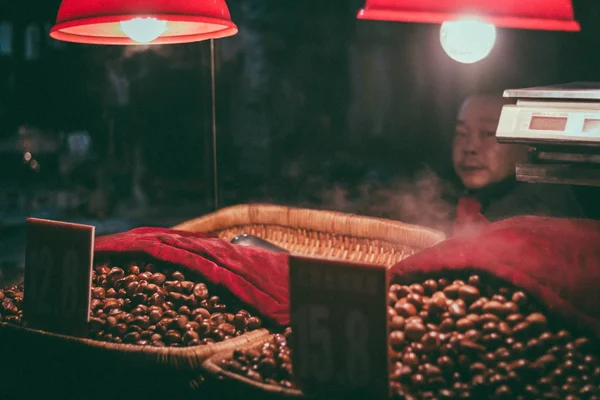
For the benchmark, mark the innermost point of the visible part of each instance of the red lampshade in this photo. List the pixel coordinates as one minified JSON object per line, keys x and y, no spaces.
{"x":99,"y":21}
{"x":555,"y":15}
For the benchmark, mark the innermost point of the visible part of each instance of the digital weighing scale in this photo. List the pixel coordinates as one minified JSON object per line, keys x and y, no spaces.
{"x":561,"y":124}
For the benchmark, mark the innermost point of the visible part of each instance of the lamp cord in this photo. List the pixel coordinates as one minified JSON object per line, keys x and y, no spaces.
{"x":214,"y":125}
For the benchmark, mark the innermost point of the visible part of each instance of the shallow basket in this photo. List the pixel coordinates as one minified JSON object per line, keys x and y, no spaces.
{"x":240,"y":384}
{"x":43,"y":364}
{"x":320,"y":233}
{"x":36,"y":363}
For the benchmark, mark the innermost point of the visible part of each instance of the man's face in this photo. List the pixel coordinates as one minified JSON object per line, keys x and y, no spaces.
{"x":479,"y":160}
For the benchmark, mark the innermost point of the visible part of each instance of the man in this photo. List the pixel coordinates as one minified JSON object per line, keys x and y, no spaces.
{"x":487,"y":171}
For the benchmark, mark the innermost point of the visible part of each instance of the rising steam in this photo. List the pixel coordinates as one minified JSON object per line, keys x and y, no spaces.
{"x":420,"y":200}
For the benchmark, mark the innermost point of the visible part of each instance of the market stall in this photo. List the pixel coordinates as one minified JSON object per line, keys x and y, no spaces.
{"x":319,"y":304}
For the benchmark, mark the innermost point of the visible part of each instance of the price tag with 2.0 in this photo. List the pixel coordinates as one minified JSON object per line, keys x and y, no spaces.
{"x":58,"y":267}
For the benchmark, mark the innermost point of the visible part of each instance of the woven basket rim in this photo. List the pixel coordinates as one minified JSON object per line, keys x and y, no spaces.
{"x":192,"y":356}
{"x":333,"y":222}
{"x":211,"y":365}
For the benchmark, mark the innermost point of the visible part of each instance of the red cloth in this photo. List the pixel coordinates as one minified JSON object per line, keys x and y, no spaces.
{"x":257,"y":277}
{"x":556,"y":260}
{"x":468,"y":216}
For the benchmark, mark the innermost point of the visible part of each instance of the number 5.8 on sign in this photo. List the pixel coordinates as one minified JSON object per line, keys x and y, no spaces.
{"x":339,"y":325}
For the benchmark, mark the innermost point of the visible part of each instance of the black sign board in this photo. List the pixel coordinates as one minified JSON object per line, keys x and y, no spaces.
{"x":339,"y":328}
{"x":58,"y":276}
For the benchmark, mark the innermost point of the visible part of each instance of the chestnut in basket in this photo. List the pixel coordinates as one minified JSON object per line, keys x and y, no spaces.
{"x":463,"y":337}
{"x":271,"y":364}
{"x":143,"y":304}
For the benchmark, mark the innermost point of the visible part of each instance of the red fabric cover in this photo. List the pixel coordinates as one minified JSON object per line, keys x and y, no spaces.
{"x":556,"y":260}
{"x":257,"y":277}
{"x":468,"y":216}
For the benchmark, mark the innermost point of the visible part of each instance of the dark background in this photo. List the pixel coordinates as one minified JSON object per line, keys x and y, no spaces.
{"x":315,"y":108}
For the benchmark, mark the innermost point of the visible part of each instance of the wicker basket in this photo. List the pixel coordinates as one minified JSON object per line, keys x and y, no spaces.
{"x":240,"y":383}
{"x":313,"y":233}
{"x":44,"y":363}
{"x":320,"y":233}
{"x":67,"y":366}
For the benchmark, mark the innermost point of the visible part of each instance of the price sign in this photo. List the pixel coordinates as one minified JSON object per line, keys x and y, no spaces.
{"x":339,"y":325}
{"x":58,"y":276}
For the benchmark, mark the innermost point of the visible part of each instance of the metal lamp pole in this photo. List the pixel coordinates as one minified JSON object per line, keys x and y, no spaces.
{"x":214,"y":126}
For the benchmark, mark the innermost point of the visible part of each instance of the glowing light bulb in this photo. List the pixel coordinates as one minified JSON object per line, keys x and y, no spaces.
{"x":144,"y":30}
{"x":467,"y":40}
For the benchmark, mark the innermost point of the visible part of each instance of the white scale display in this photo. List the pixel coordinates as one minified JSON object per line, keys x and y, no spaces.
{"x":563,"y":114}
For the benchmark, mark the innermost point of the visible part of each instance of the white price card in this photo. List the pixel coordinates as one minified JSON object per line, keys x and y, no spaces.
{"x":58,"y":276}
{"x":339,"y":328}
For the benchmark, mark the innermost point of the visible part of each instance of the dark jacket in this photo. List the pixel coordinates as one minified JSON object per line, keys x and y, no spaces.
{"x":512,"y":198}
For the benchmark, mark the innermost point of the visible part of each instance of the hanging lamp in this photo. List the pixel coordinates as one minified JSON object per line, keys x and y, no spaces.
{"x":149,"y":22}
{"x":468,"y":29}
{"x":130,"y":22}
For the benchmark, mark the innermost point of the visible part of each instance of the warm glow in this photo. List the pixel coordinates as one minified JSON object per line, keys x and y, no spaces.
{"x":467,"y":40}
{"x":27,"y":156}
{"x":144,"y":30}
